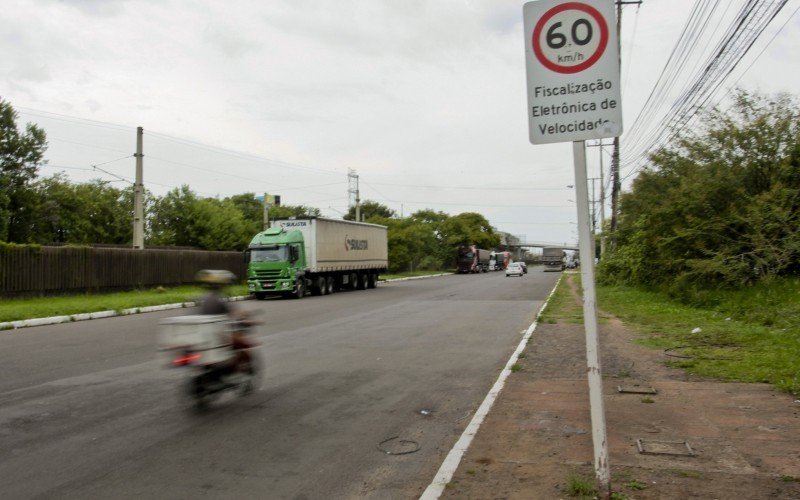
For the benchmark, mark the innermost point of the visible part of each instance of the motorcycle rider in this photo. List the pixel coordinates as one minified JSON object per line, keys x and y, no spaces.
{"x":213,"y":302}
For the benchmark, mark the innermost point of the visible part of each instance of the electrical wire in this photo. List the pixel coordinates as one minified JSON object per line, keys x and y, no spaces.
{"x":239,"y":154}
{"x":733,"y":85}
{"x":73,"y":119}
{"x":469,"y":188}
{"x":753,"y":17}
{"x":630,"y":50}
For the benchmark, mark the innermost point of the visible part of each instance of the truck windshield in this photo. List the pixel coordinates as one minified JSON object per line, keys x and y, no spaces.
{"x":269,"y":254}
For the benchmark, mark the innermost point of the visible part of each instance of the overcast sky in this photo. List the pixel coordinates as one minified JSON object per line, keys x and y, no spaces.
{"x":425,"y":100}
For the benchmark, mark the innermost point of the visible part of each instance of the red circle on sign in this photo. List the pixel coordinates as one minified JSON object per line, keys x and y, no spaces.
{"x":601,"y":47}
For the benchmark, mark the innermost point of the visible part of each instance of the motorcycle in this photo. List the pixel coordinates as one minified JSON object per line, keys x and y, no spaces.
{"x":206,"y":345}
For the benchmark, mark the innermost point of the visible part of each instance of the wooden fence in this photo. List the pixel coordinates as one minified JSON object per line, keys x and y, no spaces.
{"x":27,"y":271}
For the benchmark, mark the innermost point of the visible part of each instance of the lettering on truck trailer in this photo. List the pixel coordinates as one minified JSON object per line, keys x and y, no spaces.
{"x":355,"y":244}
{"x":296,"y":223}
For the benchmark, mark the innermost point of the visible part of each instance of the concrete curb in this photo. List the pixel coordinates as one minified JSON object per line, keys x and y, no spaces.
{"x":416,"y":277}
{"x":54,"y":320}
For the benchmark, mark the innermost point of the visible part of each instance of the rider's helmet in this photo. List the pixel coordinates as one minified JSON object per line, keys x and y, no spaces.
{"x":215,"y":278}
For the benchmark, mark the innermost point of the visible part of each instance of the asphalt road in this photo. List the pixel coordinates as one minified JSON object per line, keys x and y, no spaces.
{"x":87,"y":411}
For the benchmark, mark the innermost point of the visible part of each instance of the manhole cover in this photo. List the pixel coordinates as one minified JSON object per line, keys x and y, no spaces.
{"x":396,"y":446}
{"x":636,"y":390}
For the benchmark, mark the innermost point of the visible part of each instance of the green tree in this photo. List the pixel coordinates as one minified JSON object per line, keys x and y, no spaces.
{"x":220,"y":225}
{"x":370,"y":209}
{"x":172,"y":219}
{"x":720,"y":206}
{"x":411,"y":244}
{"x":83,"y":213}
{"x":21,"y":153}
{"x":252,"y":210}
{"x":286,"y":211}
{"x":181,"y":218}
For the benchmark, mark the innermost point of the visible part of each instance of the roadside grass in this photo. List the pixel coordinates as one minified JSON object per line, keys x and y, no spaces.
{"x":562,"y":306}
{"x":750,"y":335}
{"x":43,"y":307}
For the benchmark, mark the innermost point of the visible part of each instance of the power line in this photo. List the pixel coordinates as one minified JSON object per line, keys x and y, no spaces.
{"x":470,"y":204}
{"x":93,"y":146}
{"x":733,"y":85}
{"x":471,"y":188}
{"x":240,"y":154}
{"x":73,"y":119}
{"x":749,"y":23}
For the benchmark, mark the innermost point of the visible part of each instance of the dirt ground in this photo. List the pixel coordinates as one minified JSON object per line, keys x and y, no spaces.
{"x":745,"y":438}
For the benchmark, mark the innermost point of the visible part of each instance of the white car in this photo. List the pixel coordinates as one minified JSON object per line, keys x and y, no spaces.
{"x":514,"y":269}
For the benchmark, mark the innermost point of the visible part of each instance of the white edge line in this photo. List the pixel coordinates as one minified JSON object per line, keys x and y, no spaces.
{"x":54,"y":320}
{"x":453,"y":459}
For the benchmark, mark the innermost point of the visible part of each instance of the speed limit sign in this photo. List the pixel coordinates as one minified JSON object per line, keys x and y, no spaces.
{"x":572,"y":65}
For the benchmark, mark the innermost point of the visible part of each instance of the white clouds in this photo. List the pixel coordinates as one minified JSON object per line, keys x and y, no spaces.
{"x":414,"y":92}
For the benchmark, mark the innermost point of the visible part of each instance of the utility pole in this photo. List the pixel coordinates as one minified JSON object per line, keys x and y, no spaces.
{"x":616,"y":185}
{"x":594,"y":205}
{"x":358,"y":203}
{"x":601,"y":145}
{"x":266,"y":212}
{"x":138,"y":195}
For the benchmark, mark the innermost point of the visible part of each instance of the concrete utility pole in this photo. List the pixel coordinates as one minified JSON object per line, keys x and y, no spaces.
{"x":270,"y":200}
{"x":601,"y":145}
{"x":358,"y":203}
{"x":138,"y":194}
{"x":594,"y":205}
{"x":352,"y":191}
{"x":616,"y":184}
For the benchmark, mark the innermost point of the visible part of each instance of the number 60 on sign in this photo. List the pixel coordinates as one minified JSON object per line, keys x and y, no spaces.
{"x":572,"y":65}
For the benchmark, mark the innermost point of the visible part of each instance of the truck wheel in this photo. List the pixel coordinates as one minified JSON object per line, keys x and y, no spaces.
{"x":300,"y":291}
{"x":260,"y":295}
{"x":321,"y":286}
{"x":329,"y":285}
{"x":372,"y":280}
{"x":352,"y":282}
{"x":361,"y":284}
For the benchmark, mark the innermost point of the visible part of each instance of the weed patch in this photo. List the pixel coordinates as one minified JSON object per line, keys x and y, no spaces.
{"x":580,"y":487}
{"x":711,"y":341}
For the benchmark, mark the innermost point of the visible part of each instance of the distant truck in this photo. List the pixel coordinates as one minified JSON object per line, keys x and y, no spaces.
{"x":317,"y":255}
{"x":553,"y":259}
{"x":471,"y":259}
{"x":501,"y":260}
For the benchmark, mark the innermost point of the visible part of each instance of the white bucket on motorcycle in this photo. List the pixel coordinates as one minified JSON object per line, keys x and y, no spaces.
{"x":194,"y":339}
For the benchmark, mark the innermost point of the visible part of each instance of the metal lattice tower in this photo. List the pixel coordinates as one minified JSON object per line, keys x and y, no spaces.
{"x":353,"y":198}
{"x":352,"y":187}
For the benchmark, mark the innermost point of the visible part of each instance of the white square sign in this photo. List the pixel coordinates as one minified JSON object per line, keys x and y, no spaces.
{"x":572,"y":63}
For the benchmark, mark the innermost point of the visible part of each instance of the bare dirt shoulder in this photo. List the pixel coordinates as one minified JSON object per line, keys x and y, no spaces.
{"x":745,"y":438}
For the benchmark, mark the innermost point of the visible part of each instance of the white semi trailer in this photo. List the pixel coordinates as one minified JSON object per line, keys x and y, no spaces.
{"x":316,"y":254}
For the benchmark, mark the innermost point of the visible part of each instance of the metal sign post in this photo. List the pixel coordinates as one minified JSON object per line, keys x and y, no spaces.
{"x":572,"y":65}
{"x":586,"y":252}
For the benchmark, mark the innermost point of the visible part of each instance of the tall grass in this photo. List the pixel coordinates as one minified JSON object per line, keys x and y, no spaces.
{"x":749,"y":335}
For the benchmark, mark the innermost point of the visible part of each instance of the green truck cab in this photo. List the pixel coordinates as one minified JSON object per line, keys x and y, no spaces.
{"x":276,"y":259}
